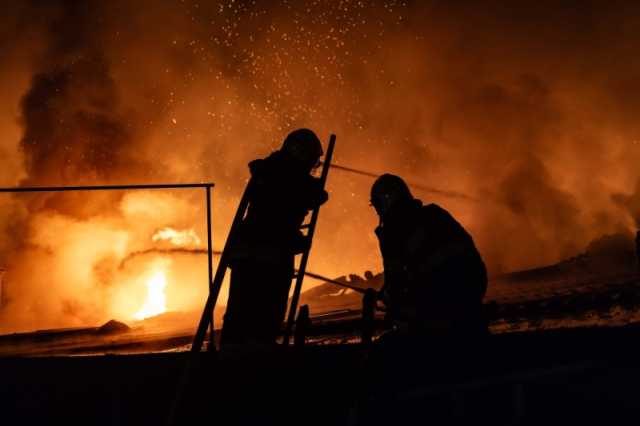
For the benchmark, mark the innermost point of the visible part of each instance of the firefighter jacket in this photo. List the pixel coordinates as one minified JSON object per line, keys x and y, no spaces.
{"x":281,"y":197}
{"x":434,"y":275}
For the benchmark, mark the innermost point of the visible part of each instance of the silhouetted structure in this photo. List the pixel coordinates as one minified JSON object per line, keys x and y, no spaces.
{"x":262,"y":256}
{"x":368,"y":315}
{"x":303,"y":323}
{"x":435,"y":278}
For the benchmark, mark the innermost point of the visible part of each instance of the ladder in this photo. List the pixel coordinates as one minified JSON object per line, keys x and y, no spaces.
{"x":310,"y":227}
{"x":206,"y":320}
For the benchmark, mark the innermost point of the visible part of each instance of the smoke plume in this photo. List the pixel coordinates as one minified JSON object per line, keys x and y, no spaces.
{"x":530,"y":109}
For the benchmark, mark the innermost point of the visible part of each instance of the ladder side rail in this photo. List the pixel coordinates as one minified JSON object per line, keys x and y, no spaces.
{"x":305,"y":255}
{"x":223,"y":264}
{"x":210,"y":259}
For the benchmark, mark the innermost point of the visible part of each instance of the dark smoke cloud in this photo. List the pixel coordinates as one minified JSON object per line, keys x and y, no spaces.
{"x":167,"y":251}
{"x":630,"y":202}
{"x":71,"y":131}
{"x":75,"y":128}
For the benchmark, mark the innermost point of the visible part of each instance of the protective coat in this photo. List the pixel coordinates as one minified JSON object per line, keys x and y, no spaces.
{"x":262,"y":254}
{"x":435,"y":278}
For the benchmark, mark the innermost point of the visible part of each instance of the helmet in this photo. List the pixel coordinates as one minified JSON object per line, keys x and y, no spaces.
{"x":386,"y":191}
{"x":304,"y":146}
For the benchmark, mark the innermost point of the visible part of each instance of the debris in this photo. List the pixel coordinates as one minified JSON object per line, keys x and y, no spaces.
{"x":113,"y":327}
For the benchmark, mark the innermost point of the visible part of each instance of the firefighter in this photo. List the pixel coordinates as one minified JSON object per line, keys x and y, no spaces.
{"x":434,"y":277}
{"x":262,"y":254}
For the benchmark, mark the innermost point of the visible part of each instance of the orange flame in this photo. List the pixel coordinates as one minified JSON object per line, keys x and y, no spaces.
{"x":156,"y":301}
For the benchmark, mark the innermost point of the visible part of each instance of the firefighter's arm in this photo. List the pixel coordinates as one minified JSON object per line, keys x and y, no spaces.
{"x":301,"y":243}
{"x":259,"y":174}
{"x":322,"y":197}
{"x":317,"y":195}
{"x":395,"y":282}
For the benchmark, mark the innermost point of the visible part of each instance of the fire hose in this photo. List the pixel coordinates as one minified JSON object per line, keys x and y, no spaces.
{"x":425,"y":188}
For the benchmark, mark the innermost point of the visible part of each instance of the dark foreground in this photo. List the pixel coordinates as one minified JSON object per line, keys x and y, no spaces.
{"x":579,"y":376}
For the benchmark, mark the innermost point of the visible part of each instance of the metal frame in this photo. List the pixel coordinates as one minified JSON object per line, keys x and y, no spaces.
{"x":206,"y":320}
{"x":105,"y":187}
{"x":206,"y":185}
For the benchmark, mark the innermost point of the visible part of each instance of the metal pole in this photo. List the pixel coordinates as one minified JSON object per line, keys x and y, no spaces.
{"x":104,"y":187}
{"x":334,"y":282}
{"x":223,"y":263}
{"x":210,"y":263}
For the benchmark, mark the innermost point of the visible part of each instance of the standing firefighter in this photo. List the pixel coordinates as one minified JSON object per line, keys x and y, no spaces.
{"x":434,"y":276}
{"x":262,"y":258}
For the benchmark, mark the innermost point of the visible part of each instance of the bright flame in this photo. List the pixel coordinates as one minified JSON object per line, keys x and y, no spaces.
{"x":156,"y":301}
{"x":178,"y":238}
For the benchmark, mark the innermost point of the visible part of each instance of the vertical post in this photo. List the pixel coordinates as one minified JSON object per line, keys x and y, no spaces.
{"x":302,"y":325}
{"x":368,"y":316}
{"x":210,"y":265}
{"x":223,"y":263}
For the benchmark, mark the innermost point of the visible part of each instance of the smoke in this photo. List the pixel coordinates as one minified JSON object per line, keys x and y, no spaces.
{"x":630,"y":202}
{"x":529,"y":109}
{"x":168,"y":251}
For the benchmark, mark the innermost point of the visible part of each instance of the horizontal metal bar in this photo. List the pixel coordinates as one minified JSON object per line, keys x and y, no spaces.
{"x":105,"y":187}
{"x":334,"y":282}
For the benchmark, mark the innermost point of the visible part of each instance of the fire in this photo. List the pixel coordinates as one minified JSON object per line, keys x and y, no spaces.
{"x":156,"y":301}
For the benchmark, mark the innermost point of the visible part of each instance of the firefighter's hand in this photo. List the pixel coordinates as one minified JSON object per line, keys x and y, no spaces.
{"x":302,"y":244}
{"x":317,"y":196}
{"x":321,"y":198}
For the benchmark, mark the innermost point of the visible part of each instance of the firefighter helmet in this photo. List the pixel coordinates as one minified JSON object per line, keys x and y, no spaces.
{"x":386,"y":191}
{"x":304,"y":146}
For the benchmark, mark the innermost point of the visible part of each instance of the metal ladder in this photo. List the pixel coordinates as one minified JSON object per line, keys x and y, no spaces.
{"x":206,"y":320}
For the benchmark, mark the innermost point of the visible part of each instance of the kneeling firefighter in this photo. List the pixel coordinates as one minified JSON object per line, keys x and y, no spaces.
{"x":434,"y":277}
{"x":263,"y":252}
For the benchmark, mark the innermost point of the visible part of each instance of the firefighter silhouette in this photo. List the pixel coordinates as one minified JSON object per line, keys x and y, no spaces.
{"x":434,"y":277}
{"x":263,"y":252}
